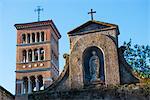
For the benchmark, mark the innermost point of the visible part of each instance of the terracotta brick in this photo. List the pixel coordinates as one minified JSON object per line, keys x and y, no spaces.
{"x":49,"y":29}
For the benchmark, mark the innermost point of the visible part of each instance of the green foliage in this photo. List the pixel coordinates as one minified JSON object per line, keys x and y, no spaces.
{"x":138,"y":56}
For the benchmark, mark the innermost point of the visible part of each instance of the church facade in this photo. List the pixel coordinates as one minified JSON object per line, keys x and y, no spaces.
{"x":95,"y":68}
{"x":37,"y":56}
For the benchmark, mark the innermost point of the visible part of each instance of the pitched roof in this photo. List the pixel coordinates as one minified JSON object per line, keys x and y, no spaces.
{"x":93,"y":22}
{"x":37,"y":24}
{"x":7,"y":92}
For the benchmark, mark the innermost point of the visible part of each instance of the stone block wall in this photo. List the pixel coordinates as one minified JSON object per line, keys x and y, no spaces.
{"x":5,"y":95}
{"x":109,"y":49}
{"x":101,"y":93}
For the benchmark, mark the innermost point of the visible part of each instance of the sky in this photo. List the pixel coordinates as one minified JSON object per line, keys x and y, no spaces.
{"x":132,"y":16}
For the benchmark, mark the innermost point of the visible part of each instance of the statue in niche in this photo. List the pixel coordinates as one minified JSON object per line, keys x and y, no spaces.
{"x":94,"y":67}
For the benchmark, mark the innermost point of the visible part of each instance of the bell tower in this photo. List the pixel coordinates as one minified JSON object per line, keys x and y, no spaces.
{"x":37,"y":56}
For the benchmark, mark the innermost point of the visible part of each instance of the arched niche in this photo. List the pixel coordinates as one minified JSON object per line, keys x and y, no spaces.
{"x":87,"y":54}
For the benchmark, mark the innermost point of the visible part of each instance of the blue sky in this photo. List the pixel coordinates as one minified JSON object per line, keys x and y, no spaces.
{"x":132,"y":16}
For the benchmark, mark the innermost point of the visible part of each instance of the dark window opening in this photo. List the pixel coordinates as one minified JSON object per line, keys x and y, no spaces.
{"x":33,"y":83}
{"x":28,"y":38}
{"x":35,"y":55}
{"x":41,"y":54}
{"x":40,"y":78}
{"x":23,"y":38}
{"x":30,"y":55}
{"x":38,"y":37}
{"x":25,"y":84}
{"x":33,"y":37}
{"x":42,"y":36}
{"x":24,"y":54}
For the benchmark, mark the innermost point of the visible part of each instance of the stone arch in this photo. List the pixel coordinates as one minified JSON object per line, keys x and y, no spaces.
{"x":110,"y":54}
{"x":87,"y":54}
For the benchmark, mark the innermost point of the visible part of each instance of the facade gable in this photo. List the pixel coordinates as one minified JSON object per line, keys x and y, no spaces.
{"x":91,"y":26}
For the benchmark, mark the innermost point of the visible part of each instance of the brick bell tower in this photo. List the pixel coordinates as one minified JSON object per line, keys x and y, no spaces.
{"x":37,"y":56}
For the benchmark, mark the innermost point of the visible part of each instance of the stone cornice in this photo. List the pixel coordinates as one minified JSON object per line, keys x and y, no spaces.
{"x":36,"y":43}
{"x":33,"y":70}
{"x":38,"y":24}
{"x":70,"y":33}
{"x":32,"y":24}
{"x":33,"y":62}
{"x":93,"y":31}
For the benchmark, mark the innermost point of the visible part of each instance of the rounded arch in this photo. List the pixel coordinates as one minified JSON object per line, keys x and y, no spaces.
{"x":87,"y":54}
{"x":107,"y":47}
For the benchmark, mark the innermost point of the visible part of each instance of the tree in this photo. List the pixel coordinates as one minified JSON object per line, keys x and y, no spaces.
{"x":138,"y":56}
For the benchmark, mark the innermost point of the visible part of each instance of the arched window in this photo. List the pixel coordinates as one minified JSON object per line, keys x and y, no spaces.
{"x":24,"y":56}
{"x":42,"y":36}
{"x":30,"y":55}
{"x":28,"y":38}
{"x":23,"y":38}
{"x":33,"y":83}
{"x":36,"y":54}
{"x":42,"y":52}
{"x":40,"y":79}
{"x":33,"y":37}
{"x":38,"y":37}
{"x":25,"y":85}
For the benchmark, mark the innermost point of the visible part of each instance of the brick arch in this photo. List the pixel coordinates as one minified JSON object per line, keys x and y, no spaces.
{"x":109,"y":49}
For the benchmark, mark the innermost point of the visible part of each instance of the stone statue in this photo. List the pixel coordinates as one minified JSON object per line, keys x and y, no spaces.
{"x":94,"y":67}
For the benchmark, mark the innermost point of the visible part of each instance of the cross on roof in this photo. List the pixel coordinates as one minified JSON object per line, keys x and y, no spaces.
{"x":38,"y":10}
{"x":91,"y":13}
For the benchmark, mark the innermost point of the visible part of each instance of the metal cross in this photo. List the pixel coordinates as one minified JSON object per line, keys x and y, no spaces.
{"x":91,"y":13}
{"x":38,"y":10}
